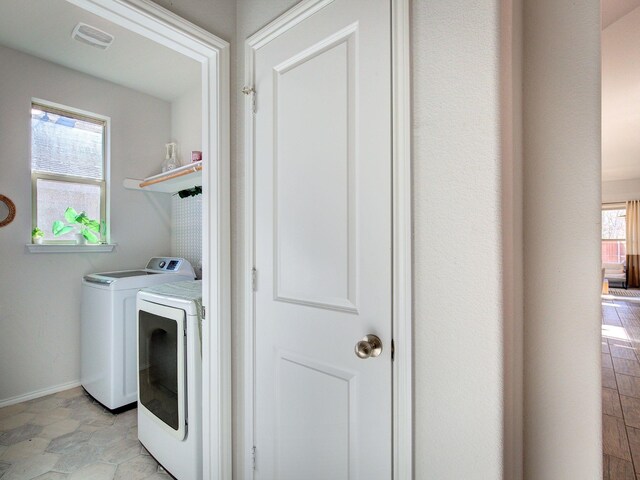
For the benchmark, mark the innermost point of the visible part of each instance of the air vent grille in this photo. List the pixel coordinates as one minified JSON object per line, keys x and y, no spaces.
{"x":92,"y":36}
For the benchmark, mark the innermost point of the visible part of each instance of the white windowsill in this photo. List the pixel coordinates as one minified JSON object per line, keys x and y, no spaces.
{"x":68,"y":248}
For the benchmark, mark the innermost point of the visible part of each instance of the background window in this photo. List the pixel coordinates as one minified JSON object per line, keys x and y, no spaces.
{"x":614,"y":232}
{"x":67,"y":167}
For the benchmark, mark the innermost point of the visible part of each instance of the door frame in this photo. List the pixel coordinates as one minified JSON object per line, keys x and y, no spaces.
{"x":164,"y":27}
{"x":402,"y":243}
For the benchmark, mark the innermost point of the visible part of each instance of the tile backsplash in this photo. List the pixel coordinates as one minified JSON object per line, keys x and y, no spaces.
{"x":186,"y":229}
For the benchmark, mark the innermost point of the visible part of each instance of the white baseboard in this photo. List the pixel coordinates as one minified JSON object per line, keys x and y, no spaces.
{"x":38,"y":393}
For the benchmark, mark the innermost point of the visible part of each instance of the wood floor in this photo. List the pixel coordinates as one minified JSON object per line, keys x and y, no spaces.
{"x":621,"y":389}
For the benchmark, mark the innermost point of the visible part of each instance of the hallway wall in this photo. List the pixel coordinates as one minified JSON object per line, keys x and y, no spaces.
{"x":562,"y":432}
{"x":457,"y":177}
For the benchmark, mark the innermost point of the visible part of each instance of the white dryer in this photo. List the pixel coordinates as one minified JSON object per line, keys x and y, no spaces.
{"x":108,"y":327}
{"x":170,"y":376}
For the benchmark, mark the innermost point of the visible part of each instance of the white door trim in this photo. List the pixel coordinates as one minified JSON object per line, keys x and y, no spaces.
{"x":402,"y":245}
{"x":162,"y":26}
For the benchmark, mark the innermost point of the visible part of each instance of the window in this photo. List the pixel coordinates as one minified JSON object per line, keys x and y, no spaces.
{"x":67,"y":168}
{"x":614,"y":232}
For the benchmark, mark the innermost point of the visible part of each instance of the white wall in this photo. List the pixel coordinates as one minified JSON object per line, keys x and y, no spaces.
{"x":562,"y":240}
{"x":620,"y":91}
{"x":458,"y":276}
{"x":215,"y":16}
{"x":40,"y":293}
{"x":512,"y":246}
{"x":186,"y":213}
{"x":621,"y":190}
{"x":186,"y":124}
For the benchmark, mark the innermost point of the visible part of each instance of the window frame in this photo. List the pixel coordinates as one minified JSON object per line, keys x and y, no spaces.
{"x":613,"y":206}
{"x":71,"y":112}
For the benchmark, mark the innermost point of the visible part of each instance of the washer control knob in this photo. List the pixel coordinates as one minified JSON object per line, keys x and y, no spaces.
{"x":162,"y":264}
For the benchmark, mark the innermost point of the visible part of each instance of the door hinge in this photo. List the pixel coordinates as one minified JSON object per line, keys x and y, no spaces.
{"x":251,"y":91}
{"x":254,"y":279}
{"x":204,"y":312}
{"x":253,"y":457}
{"x":393,"y":350}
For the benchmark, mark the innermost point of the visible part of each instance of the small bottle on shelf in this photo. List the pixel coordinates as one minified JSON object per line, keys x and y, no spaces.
{"x":171,"y":159}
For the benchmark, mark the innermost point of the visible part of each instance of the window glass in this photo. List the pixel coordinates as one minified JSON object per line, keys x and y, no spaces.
{"x":614,"y":231}
{"x":614,"y":224}
{"x":66,"y":146}
{"x":54,"y":197}
{"x":68,"y":171}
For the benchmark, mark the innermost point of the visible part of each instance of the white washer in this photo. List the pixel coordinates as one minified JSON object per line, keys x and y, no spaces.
{"x":108,"y":327}
{"x":170,"y":376}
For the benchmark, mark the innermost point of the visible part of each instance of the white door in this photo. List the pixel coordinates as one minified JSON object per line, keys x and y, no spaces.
{"x":323,"y":246}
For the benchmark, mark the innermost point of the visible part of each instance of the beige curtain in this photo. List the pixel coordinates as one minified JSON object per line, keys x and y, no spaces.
{"x":633,"y":243}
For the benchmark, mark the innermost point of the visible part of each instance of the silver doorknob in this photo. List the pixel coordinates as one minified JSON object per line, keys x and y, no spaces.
{"x":369,"y":346}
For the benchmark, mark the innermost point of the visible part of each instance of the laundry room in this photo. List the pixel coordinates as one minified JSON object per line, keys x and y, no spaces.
{"x":141,"y":104}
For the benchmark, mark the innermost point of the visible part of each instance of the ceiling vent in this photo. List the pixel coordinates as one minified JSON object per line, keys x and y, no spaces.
{"x":92,"y":36}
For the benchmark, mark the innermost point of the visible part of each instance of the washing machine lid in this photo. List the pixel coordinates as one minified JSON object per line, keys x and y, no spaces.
{"x":155,"y":266}
{"x":129,"y":273}
{"x":109,"y":277}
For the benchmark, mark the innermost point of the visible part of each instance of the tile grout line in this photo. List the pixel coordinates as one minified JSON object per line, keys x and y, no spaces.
{"x":626,"y":431}
{"x":632,"y":342}
{"x":628,"y":445}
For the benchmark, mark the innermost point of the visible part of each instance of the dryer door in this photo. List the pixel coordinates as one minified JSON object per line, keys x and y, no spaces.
{"x":161,"y":366}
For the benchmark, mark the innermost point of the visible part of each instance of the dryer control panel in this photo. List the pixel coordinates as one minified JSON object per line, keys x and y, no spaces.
{"x":168,"y":265}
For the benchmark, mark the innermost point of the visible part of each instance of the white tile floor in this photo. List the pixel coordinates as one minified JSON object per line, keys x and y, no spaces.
{"x":69,"y":435}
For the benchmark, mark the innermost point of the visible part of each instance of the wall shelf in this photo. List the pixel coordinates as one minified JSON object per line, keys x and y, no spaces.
{"x":69,"y":248}
{"x":181,"y":178}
